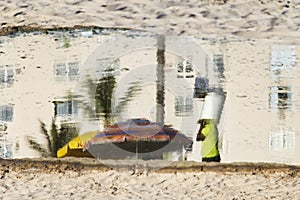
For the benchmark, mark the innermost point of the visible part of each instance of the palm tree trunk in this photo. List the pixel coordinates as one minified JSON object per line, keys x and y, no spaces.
{"x":160,"y":84}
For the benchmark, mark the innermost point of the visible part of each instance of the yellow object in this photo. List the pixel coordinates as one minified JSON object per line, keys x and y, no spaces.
{"x":75,"y":146}
{"x":210,"y":143}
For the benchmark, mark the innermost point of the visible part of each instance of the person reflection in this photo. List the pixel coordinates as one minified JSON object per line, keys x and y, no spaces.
{"x":208,"y":134}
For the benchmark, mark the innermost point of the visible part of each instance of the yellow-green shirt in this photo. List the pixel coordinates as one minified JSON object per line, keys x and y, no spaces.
{"x":210,"y":143}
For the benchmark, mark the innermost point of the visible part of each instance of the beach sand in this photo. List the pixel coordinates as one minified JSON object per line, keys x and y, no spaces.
{"x":54,"y":179}
{"x":89,"y":179}
{"x":245,"y":18}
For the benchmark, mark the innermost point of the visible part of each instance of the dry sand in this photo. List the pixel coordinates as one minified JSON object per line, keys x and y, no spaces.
{"x":274,"y":20}
{"x":247,"y":18}
{"x":89,"y":179}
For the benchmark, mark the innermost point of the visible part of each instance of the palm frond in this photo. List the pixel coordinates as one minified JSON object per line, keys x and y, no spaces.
{"x":131,"y":92}
{"x":54,"y":138}
{"x":38,"y":147}
{"x":45,"y":133}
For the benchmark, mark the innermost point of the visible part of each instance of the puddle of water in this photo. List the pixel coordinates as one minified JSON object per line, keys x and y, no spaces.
{"x":96,"y":78}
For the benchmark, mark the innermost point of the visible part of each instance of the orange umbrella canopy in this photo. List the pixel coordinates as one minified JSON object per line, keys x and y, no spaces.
{"x":136,"y":136}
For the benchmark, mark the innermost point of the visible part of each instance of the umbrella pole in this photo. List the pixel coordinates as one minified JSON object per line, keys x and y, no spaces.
{"x":136,"y":150}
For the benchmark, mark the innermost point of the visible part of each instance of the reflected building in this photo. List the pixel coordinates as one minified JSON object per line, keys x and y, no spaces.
{"x":262,"y":105}
{"x":6,"y":118}
{"x":7,"y":73}
{"x":37,"y":74}
{"x":107,"y":67}
{"x":281,"y":97}
{"x":184,"y":69}
{"x":282,"y":139}
{"x":65,"y":109}
{"x":183,"y":105}
{"x":6,"y":113}
{"x":181,"y":109}
{"x":218,"y":60}
{"x":282,"y":57}
{"x":41,"y":80}
{"x":67,"y":71}
{"x":282,"y":136}
{"x":259,"y":119}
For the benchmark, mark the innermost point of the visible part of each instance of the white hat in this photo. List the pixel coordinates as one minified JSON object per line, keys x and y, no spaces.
{"x":212,"y":107}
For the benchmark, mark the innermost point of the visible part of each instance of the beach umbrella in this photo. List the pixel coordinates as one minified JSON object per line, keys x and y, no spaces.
{"x":136,"y":136}
{"x":75,"y":147}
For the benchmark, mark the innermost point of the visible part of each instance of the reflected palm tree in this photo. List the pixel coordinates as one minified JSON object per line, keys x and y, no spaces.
{"x":131,"y":92}
{"x":101,"y":95}
{"x":104,"y":90}
{"x":55,"y":138}
{"x":103,"y":98}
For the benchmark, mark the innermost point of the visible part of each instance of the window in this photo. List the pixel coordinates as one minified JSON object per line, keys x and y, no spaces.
{"x":6,"y":113}
{"x":201,"y":87}
{"x":6,"y":75}
{"x":107,"y":67}
{"x":185,"y":69}
{"x":3,"y":127}
{"x":280,"y":97}
{"x":5,"y":147}
{"x":283,"y":57}
{"x":66,"y":109}
{"x":183,"y":105}
{"x":180,"y":67}
{"x":67,"y":71}
{"x":219,"y":63}
{"x":73,"y":70}
{"x":282,"y":139}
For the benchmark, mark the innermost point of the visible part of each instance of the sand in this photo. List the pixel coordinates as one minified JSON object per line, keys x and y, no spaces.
{"x":88,"y":179}
{"x":272,"y":20}
{"x":244,"y":18}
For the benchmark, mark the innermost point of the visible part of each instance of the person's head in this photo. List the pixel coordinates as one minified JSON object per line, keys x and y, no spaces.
{"x":204,"y":122}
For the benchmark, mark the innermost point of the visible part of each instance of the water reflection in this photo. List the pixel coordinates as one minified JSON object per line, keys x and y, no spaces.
{"x":146,"y":87}
{"x":282,"y":139}
{"x":136,"y":138}
{"x":281,"y":100}
{"x":67,"y":71}
{"x":218,"y":59}
{"x":6,"y":113}
{"x":282,"y":65}
{"x":132,"y":91}
{"x":65,"y":109}
{"x":201,"y":87}
{"x":6,"y":117}
{"x":103,"y":97}
{"x":107,"y":67}
{"x":5,"y":148}
{"x":113,"y":77}
{"x":183,"y":105}
{"x":6,"y":75}
{"x":160,"y":81}
{"x":283,"y":57}
{"x":184,"y":69}
{"x":281,"y":97}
